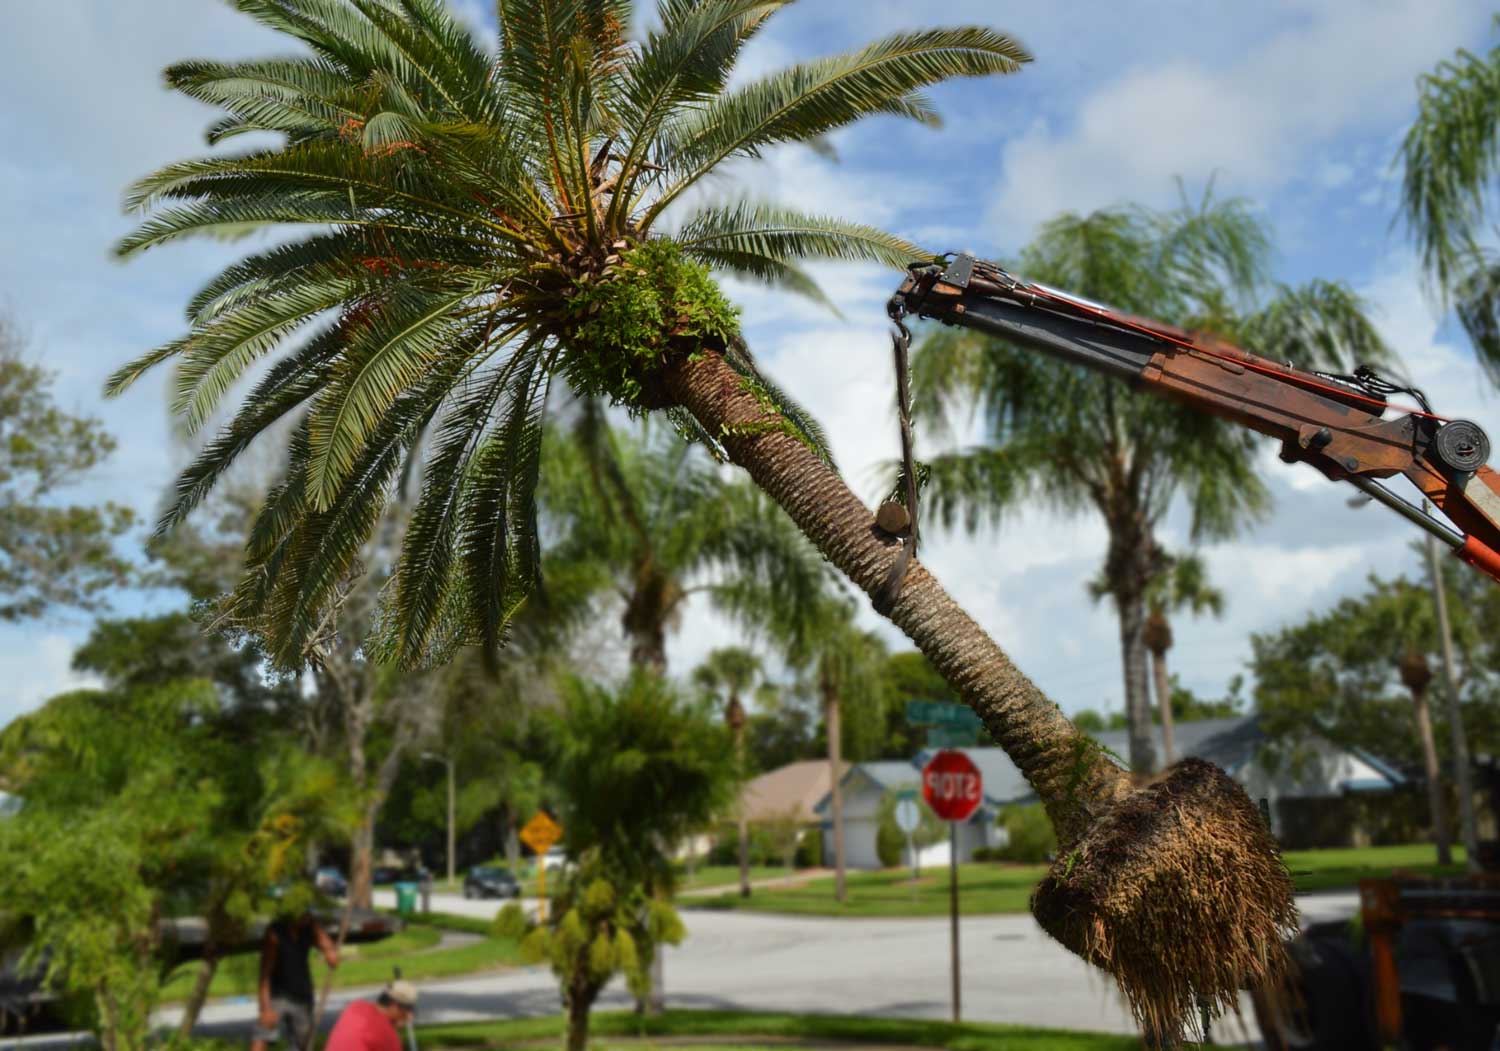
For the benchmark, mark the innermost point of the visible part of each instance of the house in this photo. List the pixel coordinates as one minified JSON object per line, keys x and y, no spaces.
{"x":1324,"y":801}
{"x":794,"y":789}
{"x":864,"y":787}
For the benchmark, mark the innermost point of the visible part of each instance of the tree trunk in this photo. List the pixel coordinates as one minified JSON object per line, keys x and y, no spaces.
{"x":512,"y":842}
{"x":1462,"y":777}
{"x":578,"y":1022}
{"x":836,"y":792}
{"x":1434,"y":778}
{"x":1054,"y":758}
{"x":1164,"y":705}
{"x":194,"y":1006}
{"x":1132,"y":610}
{"x":744,"y":826}
{"x":362,"y":866}
{"x":648,"y":649}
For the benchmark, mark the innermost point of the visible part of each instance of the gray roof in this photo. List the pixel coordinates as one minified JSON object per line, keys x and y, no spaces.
{"x":884,"y":774}
{"x":1228,"y":743}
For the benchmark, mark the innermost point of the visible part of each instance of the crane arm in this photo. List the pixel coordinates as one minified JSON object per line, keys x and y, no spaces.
{"x":1335,"y":423}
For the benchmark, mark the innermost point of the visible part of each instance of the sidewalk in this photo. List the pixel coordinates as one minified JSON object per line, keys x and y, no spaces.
{"x":796,"y":879}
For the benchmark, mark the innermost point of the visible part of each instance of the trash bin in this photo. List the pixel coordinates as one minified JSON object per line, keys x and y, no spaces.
{"x":406,"y":899}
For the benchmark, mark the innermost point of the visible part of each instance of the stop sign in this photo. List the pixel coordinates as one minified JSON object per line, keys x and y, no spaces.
{"x":952,"y":786}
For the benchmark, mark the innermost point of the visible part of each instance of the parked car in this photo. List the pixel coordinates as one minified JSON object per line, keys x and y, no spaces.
{"x":331,"y":882}
{"x":555,"y":860}
{"x":491,"y":881}
{"x":385,"y":875}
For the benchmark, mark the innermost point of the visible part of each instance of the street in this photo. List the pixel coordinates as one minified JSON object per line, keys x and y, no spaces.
{"x":743,"y":961}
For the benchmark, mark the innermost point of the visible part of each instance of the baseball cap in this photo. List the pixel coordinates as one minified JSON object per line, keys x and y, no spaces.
{"x":403,"y":993}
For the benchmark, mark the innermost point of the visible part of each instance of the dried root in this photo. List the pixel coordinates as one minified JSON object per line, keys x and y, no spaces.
{"x":1179,"y":892}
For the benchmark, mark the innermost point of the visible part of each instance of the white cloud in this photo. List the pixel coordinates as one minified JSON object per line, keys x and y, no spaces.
{"x":34,"y":665}
{"x":1333,"y":70}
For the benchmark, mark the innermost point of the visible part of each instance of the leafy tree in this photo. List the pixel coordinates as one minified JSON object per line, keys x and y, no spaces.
{"x":141,"y":804}
{"x":909,"y":676}
{"x":602,"y":922}
{"x":486,"y":221}
{"x":1448,"y":160}
{"x":780,"y":729}
{"x":51,"y":553}
{"x":1028,"y":836}
{"x":1078,"y":442}
{"x":638,"y":771}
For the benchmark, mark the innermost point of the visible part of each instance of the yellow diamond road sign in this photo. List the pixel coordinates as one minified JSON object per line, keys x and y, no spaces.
{"x":541,"y":832}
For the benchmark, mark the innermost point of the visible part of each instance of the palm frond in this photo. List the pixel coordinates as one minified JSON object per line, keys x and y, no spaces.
{"x":809,"y":100}
{"x":1450,"y":158}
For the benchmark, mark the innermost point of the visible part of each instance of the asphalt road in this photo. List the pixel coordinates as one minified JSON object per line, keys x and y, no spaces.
{"x":743,"y":961}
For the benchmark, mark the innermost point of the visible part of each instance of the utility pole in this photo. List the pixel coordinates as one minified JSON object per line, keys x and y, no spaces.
{"x":448,"y":762}
{"x":1461,"y":773}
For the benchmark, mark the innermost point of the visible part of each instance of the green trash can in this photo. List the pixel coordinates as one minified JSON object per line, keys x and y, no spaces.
{"x":406,"y":899}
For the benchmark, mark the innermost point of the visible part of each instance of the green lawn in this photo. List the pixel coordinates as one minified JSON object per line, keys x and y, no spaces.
{"x":782,"y":1031}
{"x":706,"y":876}
{"x":983,"y":888}
{"x":367,"y":964}
{"x":990,"y":888}
{"x":1337,"y":869}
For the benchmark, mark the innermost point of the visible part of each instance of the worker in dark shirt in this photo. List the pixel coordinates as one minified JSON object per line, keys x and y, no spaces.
{"x":366,"y":1026}
{"x":285,"y":992}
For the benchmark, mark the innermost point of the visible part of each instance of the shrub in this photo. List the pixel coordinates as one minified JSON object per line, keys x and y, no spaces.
{"x":511,"y":922}
{"x":1031,"y":839}
{"x":810,"y":849}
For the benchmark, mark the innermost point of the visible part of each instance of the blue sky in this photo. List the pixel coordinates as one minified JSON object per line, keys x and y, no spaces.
{"x":1297,"y":104}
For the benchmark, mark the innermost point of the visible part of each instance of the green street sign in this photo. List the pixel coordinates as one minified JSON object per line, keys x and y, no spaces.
{"x":950,"y":737}
{"x":942,"y":713}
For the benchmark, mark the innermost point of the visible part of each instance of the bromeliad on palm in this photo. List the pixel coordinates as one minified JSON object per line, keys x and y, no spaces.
{"x":482,"y":224}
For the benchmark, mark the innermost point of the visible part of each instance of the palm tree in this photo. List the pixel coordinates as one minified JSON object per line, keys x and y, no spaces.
{"x":1449,"y":177}
{"x":658,"y":523}
{"x":733,"y":670}
{"x":1183,"y":586}
{"x":838,"y":662}
{"x":1077,"y":442}
{"x":481,"y":223}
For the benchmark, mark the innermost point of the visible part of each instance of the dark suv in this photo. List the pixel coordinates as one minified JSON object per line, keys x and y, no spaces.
{"x":491,"y":881}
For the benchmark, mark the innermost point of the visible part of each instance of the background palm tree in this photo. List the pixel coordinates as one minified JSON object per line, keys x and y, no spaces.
{"x":658,"y":523}
{"x":1076,"y":441}
{"x":484,"y":222}
{"x":733,"y":670}
{"x":1450,"y":172}
{"x":1182,"y":586}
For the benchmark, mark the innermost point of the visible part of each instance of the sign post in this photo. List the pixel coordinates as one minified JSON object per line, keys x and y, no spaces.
{"x":541,"y":833}
{"x":953,"y":788}
{"x":908,"y":819}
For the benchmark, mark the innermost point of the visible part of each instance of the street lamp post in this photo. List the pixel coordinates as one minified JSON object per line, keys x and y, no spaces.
{"x":447,"y":762}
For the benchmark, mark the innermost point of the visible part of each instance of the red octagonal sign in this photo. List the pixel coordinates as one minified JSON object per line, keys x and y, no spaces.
{"x":952,"y":786}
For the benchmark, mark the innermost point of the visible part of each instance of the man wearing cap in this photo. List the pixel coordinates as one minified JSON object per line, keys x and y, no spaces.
{"x":366,"y":1026}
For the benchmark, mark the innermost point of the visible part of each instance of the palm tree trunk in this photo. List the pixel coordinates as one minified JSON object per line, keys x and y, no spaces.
{"x":834,"y":726}
{"x":362,"y":866}
{"x":1055,"y":759}
{"x":1462,"y":778}
{"x":1132,"y":610}
{"x":744,"y":826}
{"x":1164,"y":706}
{"x":1197,"y":829}
{"x":1434,"y":778}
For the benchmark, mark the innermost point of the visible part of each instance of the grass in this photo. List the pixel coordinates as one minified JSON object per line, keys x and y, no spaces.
{"x":1314,"y":870}
{"x":413,"y":949}
{"x":706,"y":876}
{"x":986,"y":888}
{"x":941,"y":1036}
{"x":983,"y":888}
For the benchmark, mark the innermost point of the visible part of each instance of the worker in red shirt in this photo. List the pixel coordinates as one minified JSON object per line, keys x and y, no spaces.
{"x":367,"y":1026}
